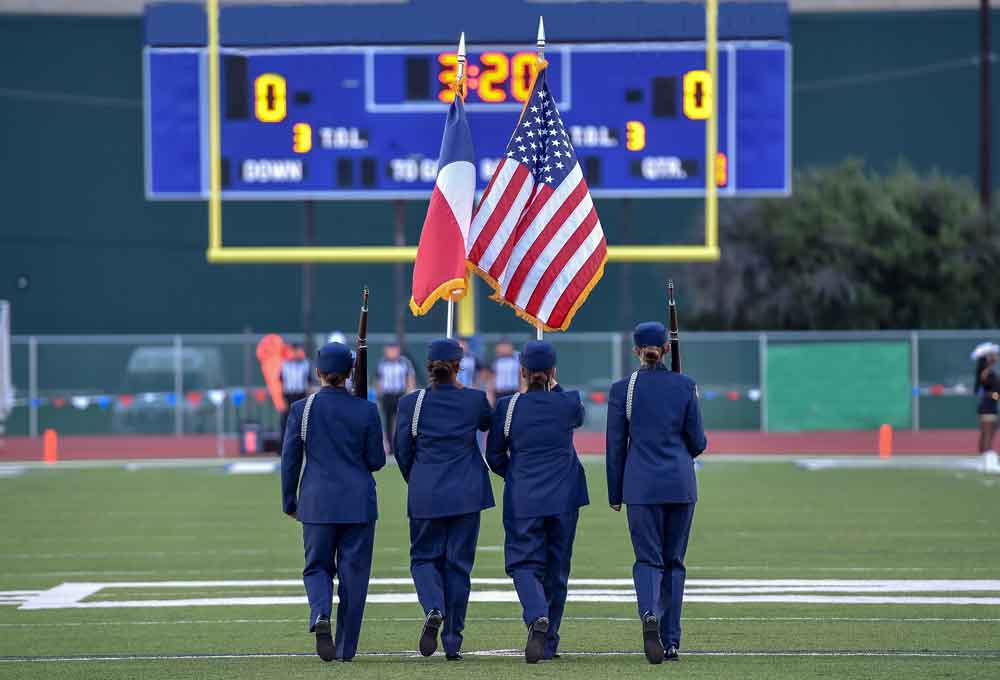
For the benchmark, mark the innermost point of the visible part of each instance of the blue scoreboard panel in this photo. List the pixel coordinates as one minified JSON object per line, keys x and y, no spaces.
{"x":366,"y":122}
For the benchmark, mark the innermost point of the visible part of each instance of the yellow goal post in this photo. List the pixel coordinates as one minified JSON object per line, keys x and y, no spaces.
{"x":221,"y":254}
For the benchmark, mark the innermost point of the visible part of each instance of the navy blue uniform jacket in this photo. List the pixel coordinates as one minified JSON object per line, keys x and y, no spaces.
{"x":443,"y":466}
{"x":651,"y":459}
{"x":542,"y":474}
{"x":343,"y":448}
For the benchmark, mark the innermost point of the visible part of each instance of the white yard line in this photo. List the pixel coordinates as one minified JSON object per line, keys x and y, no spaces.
{"x":721,"y":591}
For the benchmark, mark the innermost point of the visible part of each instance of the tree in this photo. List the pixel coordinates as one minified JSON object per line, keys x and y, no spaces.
{"x":854,"y":250}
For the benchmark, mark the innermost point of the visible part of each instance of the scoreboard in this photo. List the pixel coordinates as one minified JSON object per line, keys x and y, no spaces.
{"x":366,"y":122}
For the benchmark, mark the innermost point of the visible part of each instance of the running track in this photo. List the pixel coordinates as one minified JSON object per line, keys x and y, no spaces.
{"x":936,"y":442}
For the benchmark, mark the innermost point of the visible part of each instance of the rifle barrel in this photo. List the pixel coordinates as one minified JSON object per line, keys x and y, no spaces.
{"x":361,"y":360}
{"x":675,"y":342}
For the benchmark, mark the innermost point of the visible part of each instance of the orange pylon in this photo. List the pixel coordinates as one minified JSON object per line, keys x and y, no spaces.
{"x":50,"y":447}
{"x":885,"y":441}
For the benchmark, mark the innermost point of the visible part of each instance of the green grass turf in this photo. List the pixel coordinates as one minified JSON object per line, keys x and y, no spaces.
{"x":767,"y":520}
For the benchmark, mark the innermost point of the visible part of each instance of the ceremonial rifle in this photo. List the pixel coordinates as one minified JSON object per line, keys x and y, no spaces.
{"x":675,"y":343}
{"x":361,"y":360}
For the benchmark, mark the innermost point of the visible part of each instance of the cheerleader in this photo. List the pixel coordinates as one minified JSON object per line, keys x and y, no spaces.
{"x":986,"y":386}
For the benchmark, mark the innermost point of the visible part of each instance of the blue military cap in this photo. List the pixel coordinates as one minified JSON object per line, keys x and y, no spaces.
{"x":444,"y":349}
{"x":650,"y":334}
{"x":334,"y":357}
{"x":538,"y":355}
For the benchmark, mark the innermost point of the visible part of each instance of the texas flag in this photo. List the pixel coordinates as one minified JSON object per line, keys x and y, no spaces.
{"x":440,"y":268}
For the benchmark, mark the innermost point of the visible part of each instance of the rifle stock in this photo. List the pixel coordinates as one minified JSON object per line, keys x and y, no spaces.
{"x":675,"y":342}
{"x":361,"y":360}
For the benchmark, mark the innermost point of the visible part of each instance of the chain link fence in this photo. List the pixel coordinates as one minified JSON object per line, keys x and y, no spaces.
{"x":210,"y":384}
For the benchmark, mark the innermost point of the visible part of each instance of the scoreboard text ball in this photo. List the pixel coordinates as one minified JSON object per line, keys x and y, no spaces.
{"x":366,"y":122}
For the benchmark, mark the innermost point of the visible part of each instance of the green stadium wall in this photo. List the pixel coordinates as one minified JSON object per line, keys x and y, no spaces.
{"x":102,"y":259}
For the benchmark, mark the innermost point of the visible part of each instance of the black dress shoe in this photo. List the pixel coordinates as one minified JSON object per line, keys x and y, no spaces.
{"x":671,"y":654}
{"x":324,"y":641}
{"x":535,"y":647}
{"x":651,"y":643}
{"x":429,"y":635}
{"x":453,"y":657}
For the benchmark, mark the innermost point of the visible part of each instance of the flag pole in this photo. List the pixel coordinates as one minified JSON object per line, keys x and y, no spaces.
{"x":540,"y":44}
{"x":459,"y":92}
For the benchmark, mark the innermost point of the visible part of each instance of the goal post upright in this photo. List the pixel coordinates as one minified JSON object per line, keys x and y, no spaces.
{"x":214,"y":133}
{"x":712,"y":128}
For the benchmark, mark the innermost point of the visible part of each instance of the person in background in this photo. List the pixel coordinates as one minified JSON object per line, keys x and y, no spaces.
{"x":449,"y":486}
{"x":986,"y":387}
{"x":654,"y":435}
{"x":294,"y":381}
{"x":471,"y":370}
{"x":339,"y":439}
{"x":544,"y":488}
{"x":506,"y":379}
{"x":395,"y":377}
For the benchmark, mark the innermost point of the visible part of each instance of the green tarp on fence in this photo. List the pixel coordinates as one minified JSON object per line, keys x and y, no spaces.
{"x":838,"y":386}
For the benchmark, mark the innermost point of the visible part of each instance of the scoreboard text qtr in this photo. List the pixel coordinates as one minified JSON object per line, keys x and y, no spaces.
{"x":366,"y":122}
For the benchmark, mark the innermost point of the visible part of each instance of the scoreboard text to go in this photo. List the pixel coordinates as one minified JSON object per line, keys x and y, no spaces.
{"x":366,"y":122}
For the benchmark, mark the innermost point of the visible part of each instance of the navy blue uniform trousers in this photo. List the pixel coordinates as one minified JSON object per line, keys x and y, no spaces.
{"x":660,"y":539}
{"x":442,"y":551}
{"x":344,"y":551}
{"x":538,"y":551}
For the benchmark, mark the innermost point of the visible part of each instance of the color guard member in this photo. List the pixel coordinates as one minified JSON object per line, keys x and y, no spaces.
{"x":449,"y":485}
{"x":340,"y":438}
{"x":654,"y":435}
{"x":544,"y":488}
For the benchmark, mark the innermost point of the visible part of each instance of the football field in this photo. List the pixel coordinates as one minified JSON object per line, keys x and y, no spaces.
{"x":192,"y":573}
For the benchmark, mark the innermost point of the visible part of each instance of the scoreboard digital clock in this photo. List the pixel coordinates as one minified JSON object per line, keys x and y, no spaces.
{"x":366,"y":122}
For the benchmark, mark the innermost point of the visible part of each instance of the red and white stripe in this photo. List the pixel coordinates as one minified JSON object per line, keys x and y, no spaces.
{"x":541,"y":245}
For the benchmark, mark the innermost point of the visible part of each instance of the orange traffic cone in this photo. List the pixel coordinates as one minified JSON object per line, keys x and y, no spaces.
{"x":50,"y":447}
{"x":885,"y":441}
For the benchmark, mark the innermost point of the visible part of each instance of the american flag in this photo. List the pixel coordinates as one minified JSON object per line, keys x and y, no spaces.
{"x":535,"y":236}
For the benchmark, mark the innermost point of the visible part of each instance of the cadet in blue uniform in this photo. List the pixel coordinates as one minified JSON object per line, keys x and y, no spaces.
{"x":654,"y":435}
{"x":544,"y":488}
{"x":449,"y":485}
{"x":340,"y":437}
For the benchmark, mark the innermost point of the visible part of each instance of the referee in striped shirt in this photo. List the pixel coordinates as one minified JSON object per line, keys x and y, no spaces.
{"x":396,"y":377}
{"x":294,"y":381}
{"x":506,"y":371}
